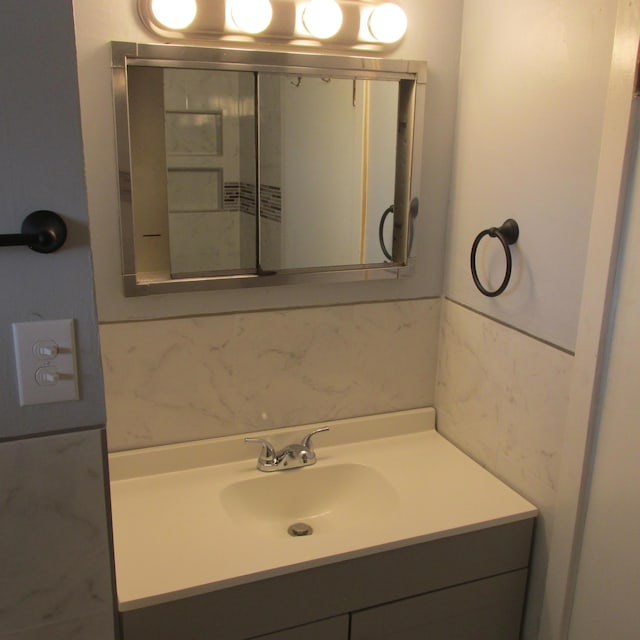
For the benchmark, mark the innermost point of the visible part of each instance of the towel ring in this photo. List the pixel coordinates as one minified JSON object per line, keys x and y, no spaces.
{"x":413,"y":214}
{"x":507,"y":234}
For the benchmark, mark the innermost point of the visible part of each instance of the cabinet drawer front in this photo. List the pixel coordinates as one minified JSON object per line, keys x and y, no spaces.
{"x":482,"y":610}
{"x":331,"y":629}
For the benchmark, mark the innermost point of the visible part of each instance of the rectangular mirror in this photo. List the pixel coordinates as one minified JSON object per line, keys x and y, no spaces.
{"x":329,"y":141}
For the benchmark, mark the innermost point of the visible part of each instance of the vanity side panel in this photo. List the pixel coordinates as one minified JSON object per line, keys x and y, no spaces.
{"x":338,"y":588}
{"x":481,"y":610}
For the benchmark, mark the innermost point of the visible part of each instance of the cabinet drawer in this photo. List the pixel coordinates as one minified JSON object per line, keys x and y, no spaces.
{"x":482,"y":610}
{"x":331,"y":629}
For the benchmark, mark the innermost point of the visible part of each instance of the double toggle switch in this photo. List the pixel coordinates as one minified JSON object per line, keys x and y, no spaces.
{"x":45,"y":361}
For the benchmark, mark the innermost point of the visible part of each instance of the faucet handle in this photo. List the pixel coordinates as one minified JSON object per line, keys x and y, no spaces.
{"x":268,"y":453}
{"x":306,"y":441}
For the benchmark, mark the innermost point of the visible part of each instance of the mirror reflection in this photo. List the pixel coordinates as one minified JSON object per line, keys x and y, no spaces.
{"x":328,"y":154}
{"x":210,"y":158}
{"x":193,"y":168}
{"x":323,"y":146}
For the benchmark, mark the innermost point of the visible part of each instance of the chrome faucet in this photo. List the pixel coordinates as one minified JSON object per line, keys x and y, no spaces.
{"x":289,"y":457}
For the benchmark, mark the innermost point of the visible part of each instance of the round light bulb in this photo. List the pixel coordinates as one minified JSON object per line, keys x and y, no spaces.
{"x":388,"y":23}
{"x":322,"y":18}
{"x":174,"y":14}
{"x":251,"y":16}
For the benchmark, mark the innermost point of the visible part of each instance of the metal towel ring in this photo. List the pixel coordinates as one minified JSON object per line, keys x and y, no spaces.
{"x":413,"y":214}
{"x":383,"y":246}
{"x":507,"y":234}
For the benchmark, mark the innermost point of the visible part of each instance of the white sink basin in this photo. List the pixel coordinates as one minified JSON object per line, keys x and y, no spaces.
{"x":195,"y":517}
{"x":325,"y":497}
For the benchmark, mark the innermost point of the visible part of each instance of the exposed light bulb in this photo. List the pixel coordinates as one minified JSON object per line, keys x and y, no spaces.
{"x":388,"y":23}
{"x":174,"y":14}
{"x":322,"y":18}
{"x":251,"y":16}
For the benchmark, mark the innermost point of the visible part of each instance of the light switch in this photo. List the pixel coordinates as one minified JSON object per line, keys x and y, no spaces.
{"x":45,"y":361}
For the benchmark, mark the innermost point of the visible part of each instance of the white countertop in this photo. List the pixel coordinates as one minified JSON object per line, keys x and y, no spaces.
{"x":174,"y":538}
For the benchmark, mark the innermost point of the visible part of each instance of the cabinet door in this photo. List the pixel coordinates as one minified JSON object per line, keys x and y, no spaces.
{"x":332,"y":629}
{"x":482,"y":610}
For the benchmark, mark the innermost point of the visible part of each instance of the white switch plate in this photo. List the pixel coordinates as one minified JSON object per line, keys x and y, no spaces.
{"x":45,"y":361}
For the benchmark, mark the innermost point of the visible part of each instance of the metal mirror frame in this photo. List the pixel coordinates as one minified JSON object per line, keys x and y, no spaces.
{"x":411,"y":76}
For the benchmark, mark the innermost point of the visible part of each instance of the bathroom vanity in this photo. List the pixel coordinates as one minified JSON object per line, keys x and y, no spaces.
{"x":411,"y":539}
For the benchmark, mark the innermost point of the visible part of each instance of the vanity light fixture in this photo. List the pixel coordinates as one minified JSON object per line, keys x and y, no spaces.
{"x":250,"y":16}
{"x":174,"y":14}
{"x":388,"y":23}
{"x":322,"y":18}
{"x":360,"y":26}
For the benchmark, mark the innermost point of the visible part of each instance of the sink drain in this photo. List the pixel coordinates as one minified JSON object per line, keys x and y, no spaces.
{"x":300,"y":529}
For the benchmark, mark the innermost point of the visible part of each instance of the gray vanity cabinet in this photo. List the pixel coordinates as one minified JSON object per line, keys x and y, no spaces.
{"x":332,"y":629}
{"x":481,"y":610}
{"x":469,"y":586}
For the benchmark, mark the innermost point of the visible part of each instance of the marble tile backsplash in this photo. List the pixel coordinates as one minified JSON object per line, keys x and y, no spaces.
{"x":54,"y":542}
{"x":502,"y":396}
{"x":186,"y":379}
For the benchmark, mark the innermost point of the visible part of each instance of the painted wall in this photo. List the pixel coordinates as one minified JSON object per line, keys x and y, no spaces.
{"x":532,"y":92}
{"x":436,"y":39}
{"x":41,"y":168}
{"x":293,"y":346}
{"x":609,"y":567}
{"x":54,"y":544}
{"x":607,"y":578}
